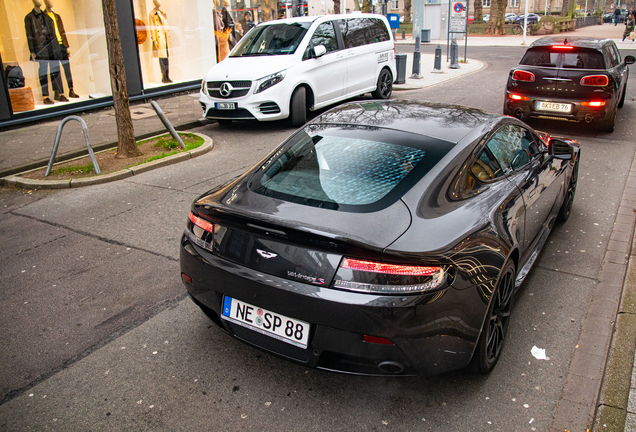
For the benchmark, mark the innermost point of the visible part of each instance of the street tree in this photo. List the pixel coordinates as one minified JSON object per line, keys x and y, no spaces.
{"x":497,"y":18}
{"x":366,"y":6}
{"x":266,"y":10}
{"x":479,"y":11}
{"x":407,"y":11}
{"x":126,"y":145}
{"x":336,"y":6}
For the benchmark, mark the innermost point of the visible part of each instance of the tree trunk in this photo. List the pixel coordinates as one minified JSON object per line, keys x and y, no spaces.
{"x":479,"y":11}
{"x":407,"y":11}
{"x":126,"y":146}
{"x":366,"y":6}
{"x":565,"y":8}
{"x":336,"y":6}
{"x":266,"y":10}
{"x":497,"y":17}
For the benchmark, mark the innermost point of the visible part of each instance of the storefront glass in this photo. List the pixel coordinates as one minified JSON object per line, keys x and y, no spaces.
{"x":60,"y":48}
{"x":175,"y":39}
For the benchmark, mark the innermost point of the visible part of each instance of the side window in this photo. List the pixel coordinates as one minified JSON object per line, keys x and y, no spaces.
{"x":354,"y":31}
{"x":486,"y":166}
{"x":378,"y":30}
{"x":615,"y":54}
{"x":513,"y":147}
{"x":325,"y":35}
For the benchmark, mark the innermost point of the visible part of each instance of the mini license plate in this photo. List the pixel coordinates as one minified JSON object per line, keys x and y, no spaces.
{"x":289,"y":330}
{"x":554,"y":107}
{"x":225,"y":105}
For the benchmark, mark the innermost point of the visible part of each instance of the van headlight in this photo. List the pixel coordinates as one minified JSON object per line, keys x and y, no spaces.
{"x":269,"y":81}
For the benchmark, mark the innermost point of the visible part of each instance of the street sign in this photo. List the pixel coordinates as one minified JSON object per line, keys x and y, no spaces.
{"x":458,"y":16}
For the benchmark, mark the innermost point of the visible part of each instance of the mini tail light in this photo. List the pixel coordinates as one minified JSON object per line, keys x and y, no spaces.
{"x":517,"y":97}
{"x":563,"y":47}
{"x":595,"y":80}
{"x":525,"y":76}
{"x":593,"y":104}
{"x":381,"y":278}
{"x":201,"y":233}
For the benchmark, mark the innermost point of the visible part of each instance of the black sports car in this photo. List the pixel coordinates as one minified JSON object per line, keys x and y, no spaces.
{"x":569,"y":78}
{"x":382,"y":238}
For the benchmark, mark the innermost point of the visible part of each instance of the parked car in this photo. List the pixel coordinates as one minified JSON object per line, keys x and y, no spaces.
{"x":486,"y":17}
{"x":382,"y":238}
{"x":283,"y":68}
{"x":608,"y":17}
{"x":471,"y":19}
{"x":532,"y":19}
{"x":510,"y":17}
{"x":573,"y":78}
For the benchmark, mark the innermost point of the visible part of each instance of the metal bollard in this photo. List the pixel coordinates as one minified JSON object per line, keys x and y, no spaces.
{"x":454,"y":64}
{"x":437,"y":67}
{"x":167,"y":123}
{"x":57,"y":143}
{"x":403,"y":34}
{"x":416,"y":60}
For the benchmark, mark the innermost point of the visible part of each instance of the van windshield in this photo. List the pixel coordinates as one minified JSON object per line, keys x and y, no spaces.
{"x":275,"y":39}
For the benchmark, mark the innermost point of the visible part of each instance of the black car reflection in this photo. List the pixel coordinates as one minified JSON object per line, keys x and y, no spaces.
{"x":382,"y":238}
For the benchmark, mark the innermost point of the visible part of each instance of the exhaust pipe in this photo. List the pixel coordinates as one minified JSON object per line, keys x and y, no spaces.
{"x":518,"y":113}
{"x":588,"y":119}
{"x":391,"y":367}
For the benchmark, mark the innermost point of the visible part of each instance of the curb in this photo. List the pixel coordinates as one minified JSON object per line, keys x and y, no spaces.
{"x":25,"y":183}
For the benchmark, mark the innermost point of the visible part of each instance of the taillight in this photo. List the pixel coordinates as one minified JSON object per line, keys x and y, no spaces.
{"x":382,"y":278}
{"x":593,"y":104}
{"x":517,"y":97}
{"x":525,"y":76}
{"x":377,"y":340}
{"x":595,"y":80}
{"x":563,"y":47}
{"x":202,"y":232}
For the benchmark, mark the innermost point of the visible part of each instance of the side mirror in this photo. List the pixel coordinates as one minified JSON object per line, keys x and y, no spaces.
{"x":629,"y":59}
{"x":320,"y":51}
{"x":560,"y":149}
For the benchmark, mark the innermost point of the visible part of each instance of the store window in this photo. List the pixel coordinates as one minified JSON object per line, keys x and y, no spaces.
{"x":174,"y":38}
{"x":59,"y":49}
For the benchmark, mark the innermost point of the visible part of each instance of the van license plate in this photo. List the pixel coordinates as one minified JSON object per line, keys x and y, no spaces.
{"x":289,"y":330}
{"x":554,"y":107}
{"x":225,"y":105}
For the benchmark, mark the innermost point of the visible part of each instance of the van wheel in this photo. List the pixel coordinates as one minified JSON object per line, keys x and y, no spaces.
{"x":385,"y":85}
{"x":298,"y":107}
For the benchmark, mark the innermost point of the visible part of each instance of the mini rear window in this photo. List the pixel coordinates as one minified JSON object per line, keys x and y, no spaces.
{"x":347,"y":168}
{"x":576,"y":58}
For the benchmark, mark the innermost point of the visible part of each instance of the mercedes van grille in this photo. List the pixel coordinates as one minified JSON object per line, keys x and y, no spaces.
{"x":228,"y":89}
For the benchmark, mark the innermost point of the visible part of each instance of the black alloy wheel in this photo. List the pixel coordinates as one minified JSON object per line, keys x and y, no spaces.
{"x":385,"y":85}
{"x":566,"y":207}
{"x":495,"y":328}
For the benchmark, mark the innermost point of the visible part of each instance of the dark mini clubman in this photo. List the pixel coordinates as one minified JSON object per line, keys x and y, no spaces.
{"x":569,"y":78}
{"x":383,"y":238}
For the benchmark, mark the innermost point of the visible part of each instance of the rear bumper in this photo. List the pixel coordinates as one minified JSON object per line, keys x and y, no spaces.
{"x":578,"y":113}
{"x":432,"y":333}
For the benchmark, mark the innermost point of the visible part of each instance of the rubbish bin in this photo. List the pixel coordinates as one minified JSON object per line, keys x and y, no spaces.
{"x":426,"y":35}
{"x":400,"y":63}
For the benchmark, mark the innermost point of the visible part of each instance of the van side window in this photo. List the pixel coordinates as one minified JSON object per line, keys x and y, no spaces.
{"x":325,"y":35}
{"x":355,"y":31}
{"x":379,"y":32}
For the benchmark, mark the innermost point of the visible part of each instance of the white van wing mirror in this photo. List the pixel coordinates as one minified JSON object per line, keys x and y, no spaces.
{"x":319,"y":51}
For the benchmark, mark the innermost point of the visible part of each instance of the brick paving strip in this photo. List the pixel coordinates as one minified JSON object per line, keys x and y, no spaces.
{"x":590,"y":396}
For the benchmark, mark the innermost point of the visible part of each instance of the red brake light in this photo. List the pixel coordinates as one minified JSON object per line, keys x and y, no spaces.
{"x":595,"y":80}
{"x":376,"y":267}
{"x":207,"y":226}
{"x":593,"y":103}
{"x":520,"y":75}
{"x":569,"y":47}
{"x":378,"y":340}
{"x":518,"y":97}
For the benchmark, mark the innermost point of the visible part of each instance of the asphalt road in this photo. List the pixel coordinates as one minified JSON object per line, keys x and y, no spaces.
{"x":97,"y":333}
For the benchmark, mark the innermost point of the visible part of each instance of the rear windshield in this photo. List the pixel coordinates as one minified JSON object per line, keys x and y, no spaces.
{"x":347,"y":168}
{"x":576,"y":58}
{"x":275,"y":39}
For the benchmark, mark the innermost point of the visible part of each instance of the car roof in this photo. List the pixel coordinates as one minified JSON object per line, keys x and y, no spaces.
{"x":443,"y":121}
{"x":310,"y":19}
{"x":575,"y":41}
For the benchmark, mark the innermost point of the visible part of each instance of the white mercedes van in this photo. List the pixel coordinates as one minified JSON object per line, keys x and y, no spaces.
{"x":284,"y":68}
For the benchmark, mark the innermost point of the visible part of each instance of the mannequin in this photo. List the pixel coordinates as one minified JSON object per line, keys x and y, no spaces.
{"x":160,"y":36}
{"x":228,"y":23}
{"x":60,"y":49}
{"x":40,"y":31}
{"x":221,"y":32}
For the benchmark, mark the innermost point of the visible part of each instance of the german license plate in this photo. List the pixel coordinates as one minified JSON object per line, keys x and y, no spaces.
{"x":225,"y":105}
{"x":289,"y":330}
{"x":554,"y":107}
